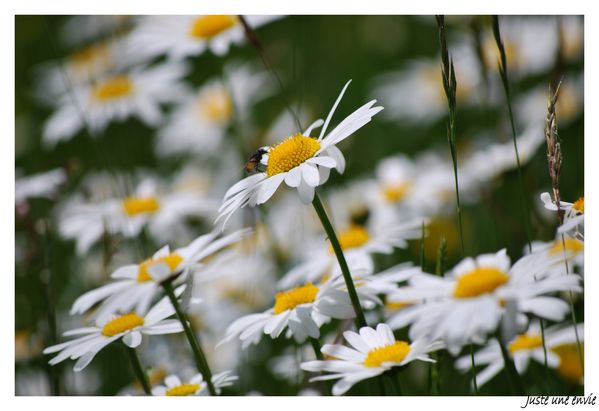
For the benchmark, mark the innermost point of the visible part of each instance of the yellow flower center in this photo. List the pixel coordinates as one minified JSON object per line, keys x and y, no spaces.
{"x":389,"y":353}
{"x":216,"y":105}
{"x":290,"y":153}
{"x":241,"y":295}
{"x":183,"y":390}
{"x":479,"y":281}
{"x":206,"y":27}
{"x":88,"y":57}
{"x":571,"y":244}
{"x":138,"y":205}
{"x":579,"y":205}
{"x":395,"y":193}
{"x":396,"y":305}
{"x":525,"y":342}
{"x":492,"y":56}
{"x":287,"y":300}
{"x":121,"y":324}
{"x":569,"y":366}
{"x":113,"y":88}
{"x":353,"y":237}
{"x":172,"y":260}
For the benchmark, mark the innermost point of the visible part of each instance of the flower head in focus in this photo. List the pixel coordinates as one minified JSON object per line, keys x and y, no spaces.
{"x":373,"y":352}
{"x":128,"y":327}
{"x":174,"y":387}
{"x":469,"y":302}
{"x":301,"y":161}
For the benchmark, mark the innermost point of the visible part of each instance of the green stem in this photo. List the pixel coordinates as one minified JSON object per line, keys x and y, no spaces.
{"x":450,"y":85}
{"x":316,"y":347}
{"x":514,"y":378}
{"x":198,"y":354}
{"x":503,"y":71}
{"x":47,"y":279}
{"x":138,"y":369}
{"x":472,"y":369}
{"x":393,"y":378}
{"x":434,"y":370}
{"x":351,"y":289}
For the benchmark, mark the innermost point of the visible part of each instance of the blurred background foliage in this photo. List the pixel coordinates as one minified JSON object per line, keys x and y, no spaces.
{"x":314,"y":56}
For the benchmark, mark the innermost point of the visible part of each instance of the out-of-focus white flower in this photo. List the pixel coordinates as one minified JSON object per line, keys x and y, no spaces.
{"x":566,"y":250}
{"x":531,"y":42}
{"x":82,"y":29}
{"x":138,"y":92}
{"x":150,"y":205}
{"x":238,"y":281}
{"x":573,"y":223}
{"x":39,"y":185}
{"x":523,"y":348}
{"x":32,"y":383}
{"x":373,"y":352}
{"x":83,"y":67}
{"x":287,"y":365}
{"x":199,"y":124}
{"x":470,"y":301}
{"x":494,"y":159}
{"x":182,"y":36}
{"x":415,"y":93}
{"x":359,"y":244}
{"x":128,"y":327}
{"x":531,"y":107}
{"x":196,"y":385}
{"x":302,"y":310}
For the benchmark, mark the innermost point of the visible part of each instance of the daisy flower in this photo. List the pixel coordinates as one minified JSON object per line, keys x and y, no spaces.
{"x":531,"y":43}
{"x":302,"y":310}
{"x":82,"y":29}
{"x":38,"y":185}
{"x":136,"y":285}
{"x":492,"y":159}
{"x":373,"y":352}
{"x":533,"y":103}
{"x":234,"y":283}
{"x":301,"y":161}
{"x":150,"y":205}
{"x":359,"y":244}
{"x":523,"y":347}
{"x":128,"y":327}
{"x":84,"y":66}
{"x":562,"y":250}
{"x":573,"y":224}
{"x":174,"y":387}
{"x":199,"y":124}
{"x":421,"y":80}
{"x":182,"y":36}
{"x":469,"y":302}
{"x":137,"y":92}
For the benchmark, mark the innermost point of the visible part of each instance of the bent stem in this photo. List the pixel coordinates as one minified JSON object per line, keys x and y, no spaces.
{"x":515,"y":381}
{"x":138,"y":369}
{"x":351,"y":289}
{"x":198,"y":354}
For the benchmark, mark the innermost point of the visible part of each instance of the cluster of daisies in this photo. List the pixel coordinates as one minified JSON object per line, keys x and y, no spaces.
{"x":265,"y":267}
